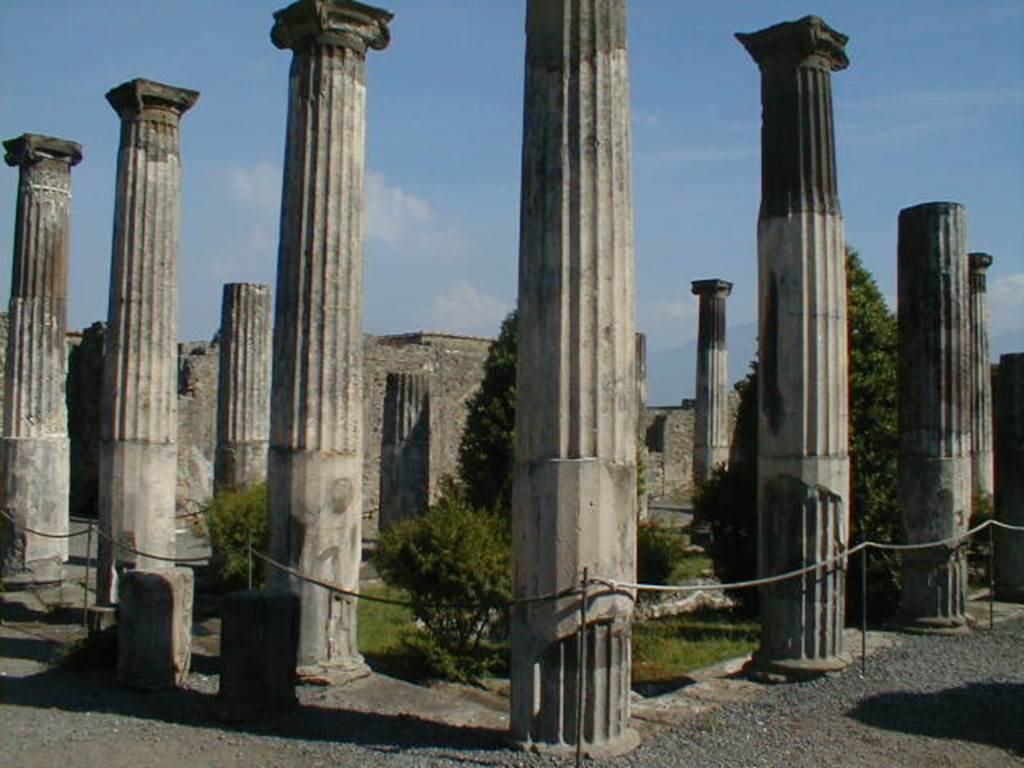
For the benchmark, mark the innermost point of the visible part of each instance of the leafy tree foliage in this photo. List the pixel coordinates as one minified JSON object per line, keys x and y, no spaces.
{"x":485,"y":454}
{"x":236,"y":519}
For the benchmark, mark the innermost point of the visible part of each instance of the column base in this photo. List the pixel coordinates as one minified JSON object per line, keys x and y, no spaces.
{"x":333,"y":674}
{"x":945,"y":625}
{"x":781,"y":671}
{"x":45,"y":571}
{"x":626,"y":742}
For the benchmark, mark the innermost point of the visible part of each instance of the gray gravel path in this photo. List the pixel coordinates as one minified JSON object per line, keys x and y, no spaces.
{"x":930,"y":701}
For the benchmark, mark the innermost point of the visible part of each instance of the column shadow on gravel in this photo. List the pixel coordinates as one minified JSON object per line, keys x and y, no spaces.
{"x":986,"y":713}
{"x":86,"y":690}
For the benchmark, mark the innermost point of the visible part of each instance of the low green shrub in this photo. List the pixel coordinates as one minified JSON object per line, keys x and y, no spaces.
{"x":455,"y":562}
{"x":658,"y":552}
{"x":236,"y":519}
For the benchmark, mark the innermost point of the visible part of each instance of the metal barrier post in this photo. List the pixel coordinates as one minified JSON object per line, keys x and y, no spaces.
{"x":581,"y":649}
{"x":991,"y":577}
{"x":85,"y":584}
{"x":864,"y":608}
{"x":250,"y":560}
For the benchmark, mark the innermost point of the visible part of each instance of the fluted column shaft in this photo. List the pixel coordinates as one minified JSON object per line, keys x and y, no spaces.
{"x":316,"y":431}
{"x":405,"y":447}
{"x":711,"y":417}
{"x":36,"y":474}
{"x":243,"y":394}
{"x":982,"y":458}
{"x":935,"y":411}
{"x":138,"y":429}
{"x":574,"y":496}
{"x":803,"y":459}
{"x":1009,"y":476}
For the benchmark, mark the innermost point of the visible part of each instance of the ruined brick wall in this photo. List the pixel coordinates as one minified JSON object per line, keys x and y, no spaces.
{"x":198,"y":376}
{"x":669,"y":462}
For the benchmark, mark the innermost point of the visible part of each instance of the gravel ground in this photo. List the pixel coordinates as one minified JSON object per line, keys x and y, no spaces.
{"x":929,"y":701}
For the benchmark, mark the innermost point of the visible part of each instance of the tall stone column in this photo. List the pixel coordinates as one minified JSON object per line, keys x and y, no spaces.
{"x":34,"y":446}
{"x":643,"y":496}
{"x":982,"y":459}
{"x":243,"y":394}
{"x":574,"y":492}
{"x":405,"y":448}
{"x":711,"y":422}
{"x":935,"y":412}
{"x":1009,"y":506}
{"x":139,"y":405}
{"x":316,"y":430}
{"x":803,"y":460}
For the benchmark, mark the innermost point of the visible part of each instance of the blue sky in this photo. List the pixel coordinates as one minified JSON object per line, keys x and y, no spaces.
{"x":931,"y":108}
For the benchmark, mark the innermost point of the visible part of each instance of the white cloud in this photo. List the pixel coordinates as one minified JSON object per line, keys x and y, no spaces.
{"x":392,"y":214}
{"x":464,"y":308}
{"x":1005,"y":298}
{"x":257,"y":185}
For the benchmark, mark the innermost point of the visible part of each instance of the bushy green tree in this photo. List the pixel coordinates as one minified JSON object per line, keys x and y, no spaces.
{"x":485,"y":454}
{"x":456,"y":564}
{"x":234,"y":520}
{"x":874,"y":437}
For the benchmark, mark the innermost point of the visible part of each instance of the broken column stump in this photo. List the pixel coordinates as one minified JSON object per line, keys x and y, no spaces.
{"x":155,"y":628}
{"x":258,"y":648}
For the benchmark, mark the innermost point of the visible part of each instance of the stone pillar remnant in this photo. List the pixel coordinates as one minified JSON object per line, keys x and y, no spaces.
{"x":1009,"y":476}
{"x":154,"y":632}
{"x":711,"y":417}
{"x":574,"y":491}
{"x":982,"y":459}
{"x":259,"y":642}
{"x":405,"y":448}
{"x":316,"y":431}
{"x":34,"y":446}
{"x":803,"y":461}
{"x":138,"y":430}
{"x":935,"y":412}
{"x":243,"y":394}
{"x":643,"y":498}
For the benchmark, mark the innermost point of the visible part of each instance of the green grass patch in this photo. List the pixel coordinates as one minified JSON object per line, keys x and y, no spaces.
{"x":690,"y":568}
{"x":665,"y":650}
{"x":384,"y":631}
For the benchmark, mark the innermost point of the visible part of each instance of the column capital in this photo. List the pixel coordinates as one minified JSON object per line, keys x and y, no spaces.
{"x":713,"y":287}
{"x":30,"y":148}
{"x":148,"y":100}
{"x":979,"y":262}
{"x":809,"y":41}
{"x":336,"y":22}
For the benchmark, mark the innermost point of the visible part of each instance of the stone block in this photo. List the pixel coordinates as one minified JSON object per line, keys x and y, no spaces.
{"x":259,"y":647}
{"x":155,"y":628}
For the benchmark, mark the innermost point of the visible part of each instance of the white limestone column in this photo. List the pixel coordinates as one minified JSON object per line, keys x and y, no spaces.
{"x":711,"y":414}
{"x":803,"y":459}
{"x":1009,"y":499}
{"x":574,"y":492}
{"x":982,"y":458}
{"x":34,"y":445}
{"x":243,"y":394}
{"x":935,"y":412}
{"x":139,"y":406}
{"x":316,"y":431}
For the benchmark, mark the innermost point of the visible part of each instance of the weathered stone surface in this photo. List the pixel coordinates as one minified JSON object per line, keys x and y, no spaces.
{"x":258,"y":647}
{"x":711,"y":435}
{"x":138,"y":458}
{"x":642,"y":459}
{"x":243,"y":403}
{"x":34,"y":445}
{"x":574,"y":492}
{"x":405,"y":448}
{"x":982,"y":459}
{"x":316,"y":432}
{"x":84,"y":387}
{"x":197,"y":425}
{"x":803,"y":461}
{"x":154,"y":635}
{"x":1009,"y":478}
{"x":935,"y":412}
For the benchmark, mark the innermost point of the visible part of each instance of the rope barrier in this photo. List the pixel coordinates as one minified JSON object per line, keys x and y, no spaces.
{"x":34,"y":532}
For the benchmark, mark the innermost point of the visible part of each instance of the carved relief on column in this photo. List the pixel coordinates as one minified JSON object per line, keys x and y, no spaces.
{"x":316,"y":431}
{"x":138,"y":431}
{"x":574,"y":495}
{"x":935,"y":412}
{"x":35,"y":469}
{"x":243,"y":395}
{"x":803,"y":461}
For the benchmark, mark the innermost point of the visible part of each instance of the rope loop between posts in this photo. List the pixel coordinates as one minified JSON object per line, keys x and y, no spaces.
{"x":43,"y":534}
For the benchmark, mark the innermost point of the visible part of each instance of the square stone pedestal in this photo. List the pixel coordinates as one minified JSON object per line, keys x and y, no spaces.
{"x":155,"y":628}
